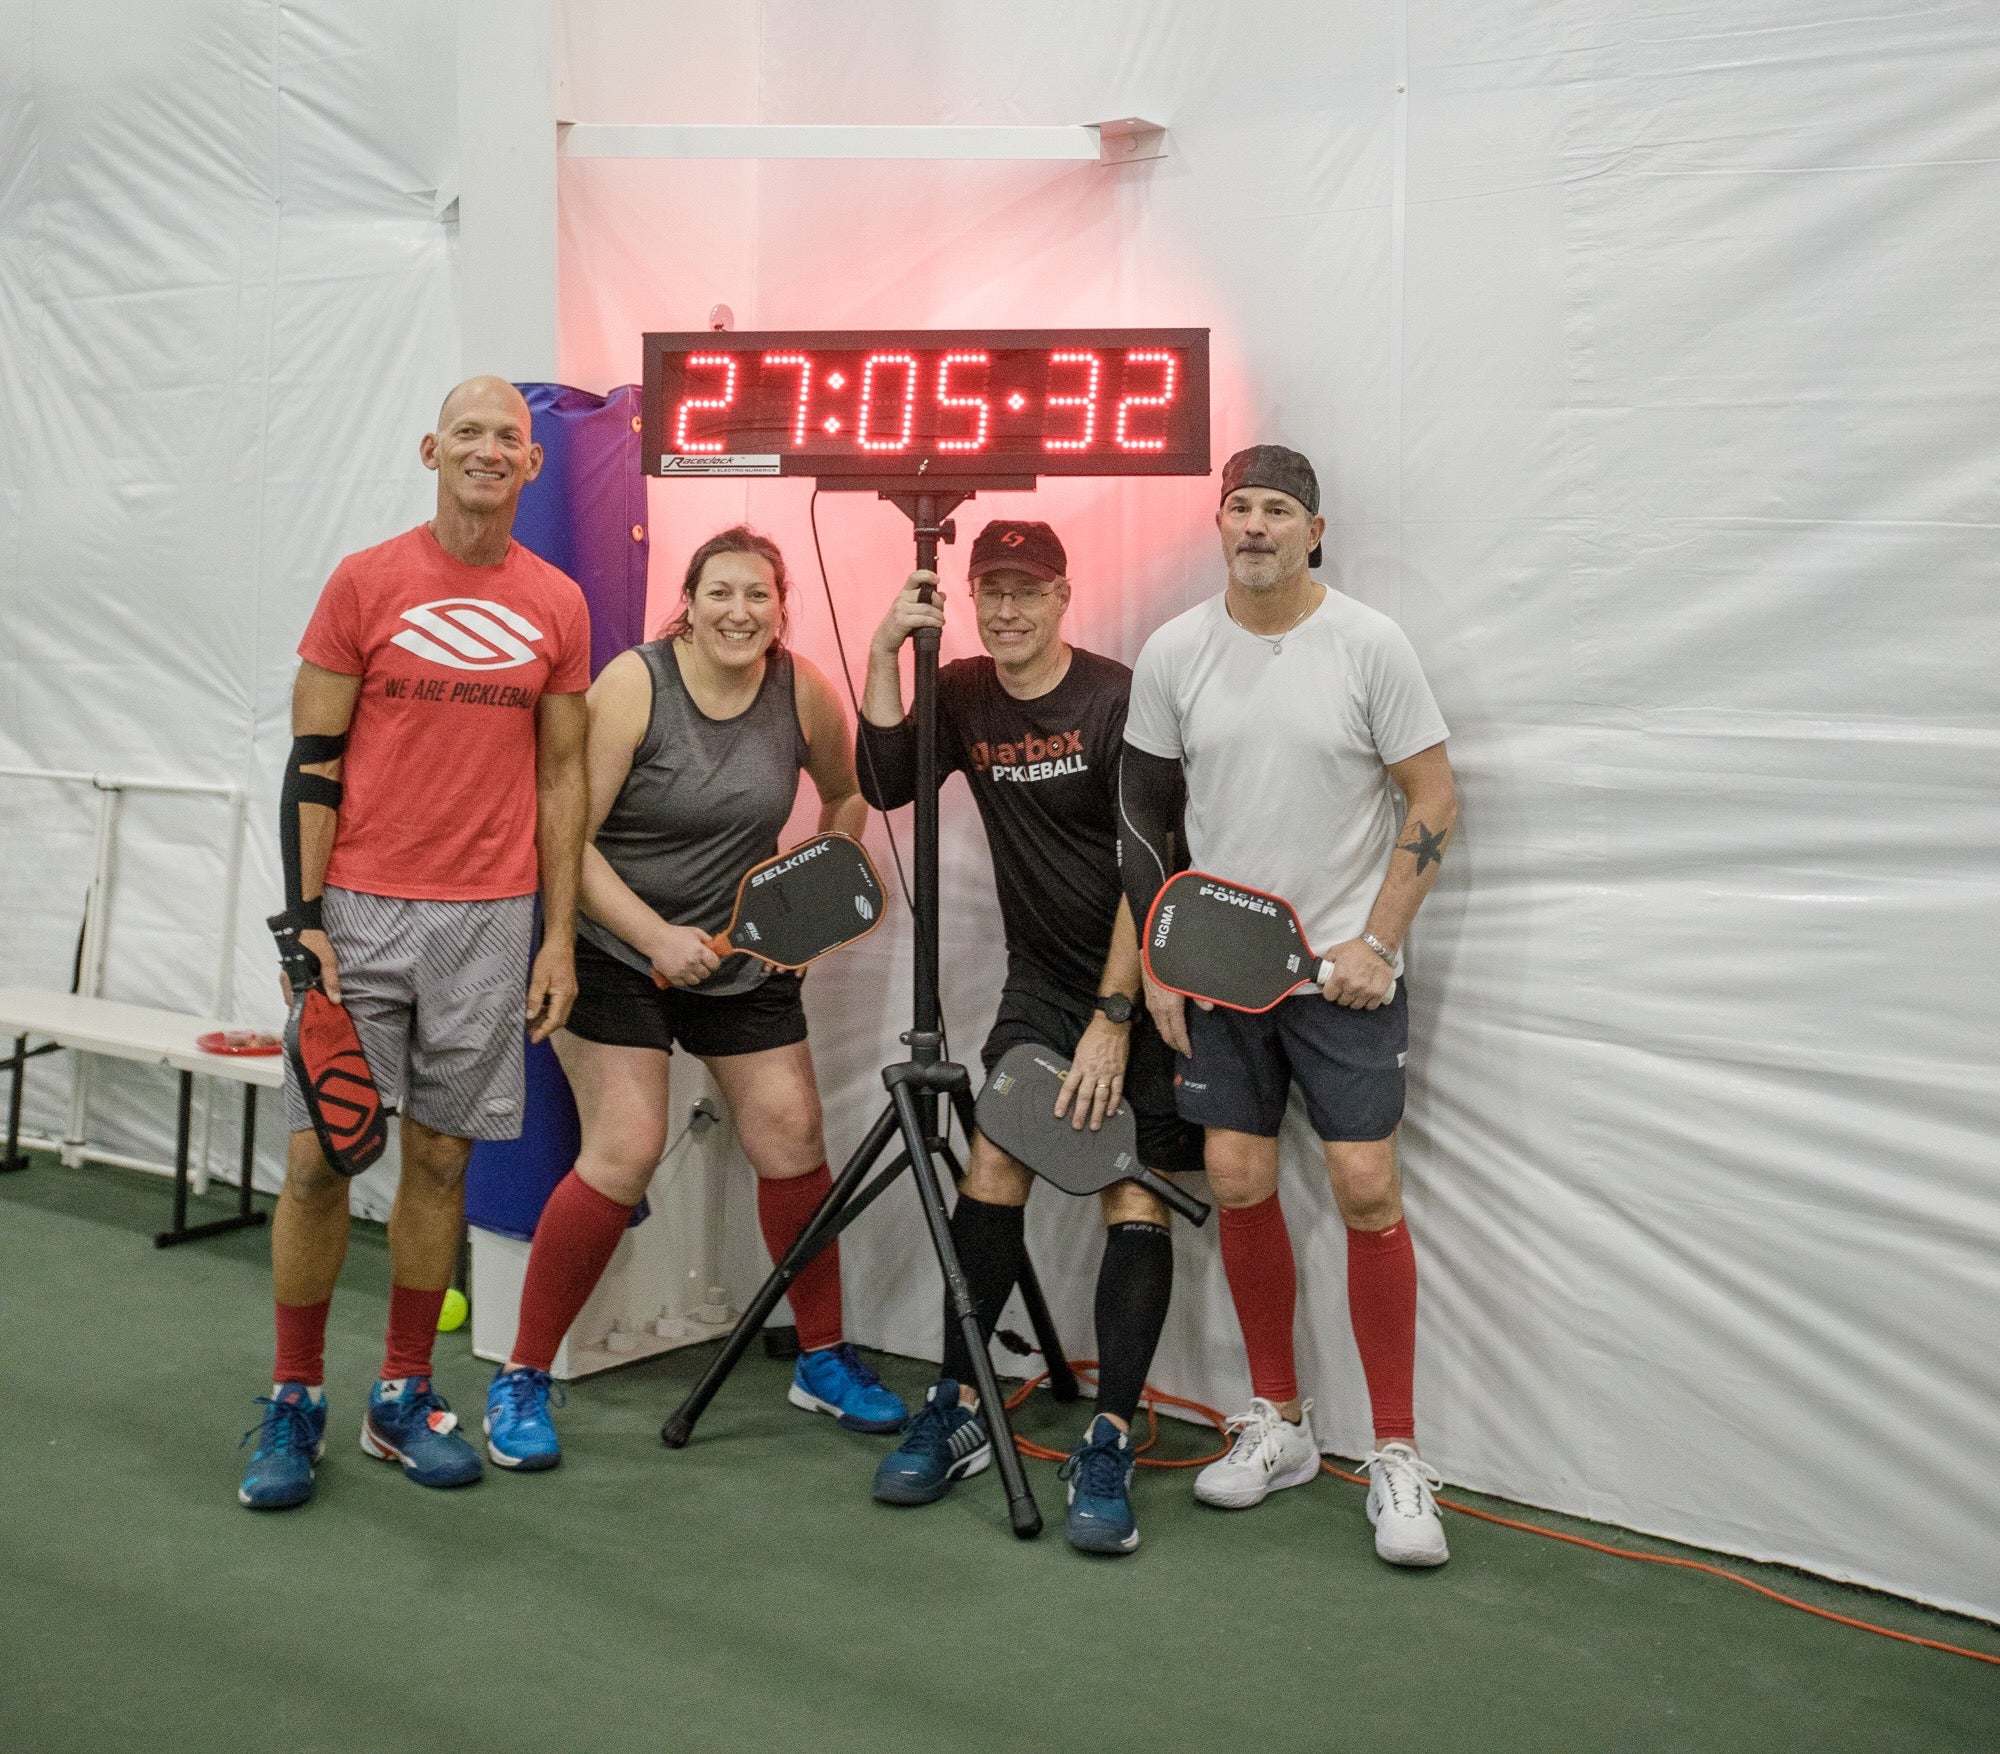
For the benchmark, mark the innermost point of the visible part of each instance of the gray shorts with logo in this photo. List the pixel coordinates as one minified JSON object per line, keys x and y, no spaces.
{"x":436,"y":990}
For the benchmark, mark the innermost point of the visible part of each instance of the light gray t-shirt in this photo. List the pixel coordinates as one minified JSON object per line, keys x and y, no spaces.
{"x":1285,"y":750}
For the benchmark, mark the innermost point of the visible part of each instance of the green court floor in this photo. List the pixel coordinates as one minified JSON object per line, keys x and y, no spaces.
{"x":745,"y":1594}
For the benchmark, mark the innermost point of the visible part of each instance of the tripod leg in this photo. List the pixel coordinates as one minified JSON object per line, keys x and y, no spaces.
{"x":816,"y":1235}
{"x":1062,"y":1380}
{"x":1021,"y":1508}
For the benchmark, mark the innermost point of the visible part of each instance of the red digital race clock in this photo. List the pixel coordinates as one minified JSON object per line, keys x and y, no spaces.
{"x":928,"y":404}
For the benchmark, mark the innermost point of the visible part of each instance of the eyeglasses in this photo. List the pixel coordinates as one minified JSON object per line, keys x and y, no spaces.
{"x":994,"y":596}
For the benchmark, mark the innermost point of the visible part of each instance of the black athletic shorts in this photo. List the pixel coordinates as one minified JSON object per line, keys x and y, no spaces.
{"x":621,"y":1008}
{"x":1165,"y":1141}
{"x":1347,"y":1064}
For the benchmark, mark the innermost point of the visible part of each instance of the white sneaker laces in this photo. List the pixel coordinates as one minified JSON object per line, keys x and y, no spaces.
{"x":1252,"y":1431}
{"x":1257,"y":1435}
{"x":1407,"y":1480}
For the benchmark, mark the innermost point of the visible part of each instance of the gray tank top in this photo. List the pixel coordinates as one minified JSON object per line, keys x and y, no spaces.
{"x":705,"y":800}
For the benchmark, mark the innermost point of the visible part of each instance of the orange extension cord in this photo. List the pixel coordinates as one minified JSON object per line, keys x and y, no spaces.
{"x":1154,"y":1399}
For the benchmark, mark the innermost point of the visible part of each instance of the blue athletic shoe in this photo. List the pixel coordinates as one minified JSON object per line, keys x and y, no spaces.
{"x":290,"y":1439}
{"x":946,"y":1443}
{"x":519,"y":1432}
{"x":834,"y":1380}
{"x":408,"y":1423}
{"x":1099,"y":1472}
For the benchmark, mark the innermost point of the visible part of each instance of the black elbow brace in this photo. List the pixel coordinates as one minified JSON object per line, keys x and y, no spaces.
{"x":302,"y":788}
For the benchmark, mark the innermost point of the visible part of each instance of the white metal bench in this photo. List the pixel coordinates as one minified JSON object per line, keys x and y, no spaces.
{"x":153,"y":1037}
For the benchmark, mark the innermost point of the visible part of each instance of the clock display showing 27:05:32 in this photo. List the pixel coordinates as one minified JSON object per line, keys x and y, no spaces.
{"x":927,"y":402}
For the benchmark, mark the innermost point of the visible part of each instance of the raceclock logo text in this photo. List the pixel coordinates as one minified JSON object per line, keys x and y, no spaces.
{"x":468,"y":633}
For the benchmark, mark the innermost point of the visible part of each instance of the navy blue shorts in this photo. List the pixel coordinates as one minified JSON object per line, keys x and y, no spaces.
{"x":1347,"y":1064}
{"x":1165,"y":1142}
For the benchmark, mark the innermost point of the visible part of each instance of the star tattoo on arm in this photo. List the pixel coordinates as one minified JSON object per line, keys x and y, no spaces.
{"x":1426,"y":848}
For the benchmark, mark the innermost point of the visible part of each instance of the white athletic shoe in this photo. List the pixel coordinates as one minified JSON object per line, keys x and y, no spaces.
{"x":1269,"y":1454}
{"x":1400,"y":1505}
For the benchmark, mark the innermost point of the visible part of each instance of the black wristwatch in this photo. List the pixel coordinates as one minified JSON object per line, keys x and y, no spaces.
{"x":1116,"y":1007}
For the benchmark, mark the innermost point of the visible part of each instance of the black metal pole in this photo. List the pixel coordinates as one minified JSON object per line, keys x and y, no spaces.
{"x":15,"y":1159}
{"x":1022,"y":1512}
{"x":680,"y":1422}
{"x":248,"y":1163}
{"x":926,"y":1041}
{"x":181,"y":1127}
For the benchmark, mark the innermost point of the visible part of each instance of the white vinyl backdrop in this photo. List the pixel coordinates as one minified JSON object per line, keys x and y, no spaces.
{"x":1645,"y":352}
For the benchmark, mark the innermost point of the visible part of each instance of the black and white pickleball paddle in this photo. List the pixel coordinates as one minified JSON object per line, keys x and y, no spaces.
{"x":804,"y":904}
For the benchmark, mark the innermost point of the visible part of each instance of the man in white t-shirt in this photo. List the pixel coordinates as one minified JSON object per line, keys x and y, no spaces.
{"x":1294,"y":717}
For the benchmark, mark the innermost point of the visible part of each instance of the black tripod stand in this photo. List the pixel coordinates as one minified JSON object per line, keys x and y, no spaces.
{"x":914,"y":1111}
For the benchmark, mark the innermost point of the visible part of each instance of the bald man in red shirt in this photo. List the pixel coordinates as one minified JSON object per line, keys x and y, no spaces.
{"x":435,"y":784}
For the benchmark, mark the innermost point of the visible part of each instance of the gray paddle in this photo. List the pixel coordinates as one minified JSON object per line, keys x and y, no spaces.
{"x":1017,"y":1111}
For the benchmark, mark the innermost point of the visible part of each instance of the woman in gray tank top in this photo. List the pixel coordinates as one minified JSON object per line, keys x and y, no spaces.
{"x":697,"y":740}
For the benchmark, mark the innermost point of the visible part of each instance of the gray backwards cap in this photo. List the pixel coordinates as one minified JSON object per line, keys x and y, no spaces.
{"x":1275,"y":466}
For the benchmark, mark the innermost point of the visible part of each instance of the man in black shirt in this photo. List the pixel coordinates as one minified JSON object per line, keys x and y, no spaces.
{"x":1037,"y":728}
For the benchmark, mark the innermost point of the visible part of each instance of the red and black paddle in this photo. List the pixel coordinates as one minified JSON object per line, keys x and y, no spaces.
{"x":326,"y":1058}
{"x":1225,"y":942}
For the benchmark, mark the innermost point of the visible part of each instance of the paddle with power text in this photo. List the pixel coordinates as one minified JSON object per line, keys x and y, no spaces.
{"x":1225,"y":942}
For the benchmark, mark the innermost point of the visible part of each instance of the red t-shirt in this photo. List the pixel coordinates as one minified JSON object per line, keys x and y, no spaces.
{"x":439,"y":775}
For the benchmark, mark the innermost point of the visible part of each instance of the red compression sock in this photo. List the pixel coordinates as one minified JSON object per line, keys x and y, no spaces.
{"x":784,"y":1208}
{"x":1382,"y":1305}
{"x":413,"y":1327}
{"x":302,"y":1343}
{"x":1264,"y":1284}
{"x":574,"y":1239}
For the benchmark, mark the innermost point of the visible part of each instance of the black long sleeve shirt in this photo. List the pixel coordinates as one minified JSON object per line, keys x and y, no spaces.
{"x":1044,"y":775}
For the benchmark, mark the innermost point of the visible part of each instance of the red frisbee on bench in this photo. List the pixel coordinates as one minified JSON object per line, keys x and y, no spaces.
{"x":238,"y":1041}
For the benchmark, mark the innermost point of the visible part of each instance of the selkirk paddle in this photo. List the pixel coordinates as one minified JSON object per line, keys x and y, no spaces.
{"x":1212,"y":939}
{"x":325,"y":1056}
{"x":802,"y":905}
{"x":1017,"y":1111}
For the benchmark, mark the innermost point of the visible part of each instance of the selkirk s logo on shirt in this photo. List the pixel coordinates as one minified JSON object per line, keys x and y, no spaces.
{"x":1033,"y":758}
{"x":468,"y":633}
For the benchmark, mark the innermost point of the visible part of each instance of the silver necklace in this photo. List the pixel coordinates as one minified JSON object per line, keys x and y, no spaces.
{"x":1276,"y":641}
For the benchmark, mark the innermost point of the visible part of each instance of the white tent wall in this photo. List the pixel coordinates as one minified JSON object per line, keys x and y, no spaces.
{"x":226,"y":315}
{"x":1645,"y":354}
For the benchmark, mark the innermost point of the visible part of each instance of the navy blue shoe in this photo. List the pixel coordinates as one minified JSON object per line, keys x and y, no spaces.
{"x":1099,"y":1472}
{"x":519,"y":1432}
{"x":946,"y":1443}
{"x":409,"y":1424}
{"x":290,"y":1439}
{"x":835,"y":1380}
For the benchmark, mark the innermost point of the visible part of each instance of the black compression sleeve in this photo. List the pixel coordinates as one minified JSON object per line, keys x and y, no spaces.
{"x":1151,"y":796}
{"x":1135,"y":1282}
{"x":302,"y":788}
{"x":886,"y":761}
{"x":988,"y":1239}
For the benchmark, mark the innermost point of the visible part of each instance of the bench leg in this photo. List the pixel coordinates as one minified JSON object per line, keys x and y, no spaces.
{"x":245,"y":1217}
{"x":16,"y":1158}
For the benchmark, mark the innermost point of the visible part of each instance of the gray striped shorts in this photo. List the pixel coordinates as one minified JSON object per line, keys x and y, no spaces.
{"x":436,"y":990}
